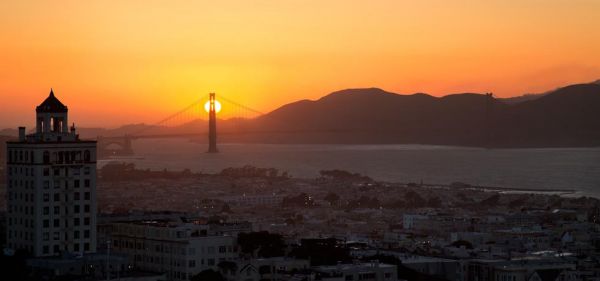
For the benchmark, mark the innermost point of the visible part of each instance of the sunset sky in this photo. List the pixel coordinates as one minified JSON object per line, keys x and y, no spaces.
{"x":119,"y":62}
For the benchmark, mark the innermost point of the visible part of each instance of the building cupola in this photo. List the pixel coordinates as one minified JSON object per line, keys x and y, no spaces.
{"x":51,"y":105}
{"x":52,"y":116}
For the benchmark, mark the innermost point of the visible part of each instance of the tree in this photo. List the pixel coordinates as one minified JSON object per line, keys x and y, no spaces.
{"x":491,"y":201}
{"x":462,"y":243}
{"x":226,"y":209}
{"x":302,"y":200}
{"x":263,"y":243}
{"x":332,"y":198}
{"x":434,"y":202}
{"x":328,"y":251}
{"x":413,"y":199}
{"x":208,"y":275}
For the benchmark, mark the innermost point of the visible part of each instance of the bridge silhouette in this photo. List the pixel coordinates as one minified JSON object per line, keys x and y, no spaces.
{"x":203,"y":109}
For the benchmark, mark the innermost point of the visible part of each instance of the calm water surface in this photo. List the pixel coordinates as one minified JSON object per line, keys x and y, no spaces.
{"x":556,"y":168}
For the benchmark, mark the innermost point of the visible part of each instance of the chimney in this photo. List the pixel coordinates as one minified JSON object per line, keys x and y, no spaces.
{"x":21,"y":134}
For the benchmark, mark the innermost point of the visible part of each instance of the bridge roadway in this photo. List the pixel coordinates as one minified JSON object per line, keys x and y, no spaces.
{"x":122,"y":145}
{"x":183,"y":135}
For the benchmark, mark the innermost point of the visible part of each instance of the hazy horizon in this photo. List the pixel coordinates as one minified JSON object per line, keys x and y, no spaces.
{"x":30,"y":123}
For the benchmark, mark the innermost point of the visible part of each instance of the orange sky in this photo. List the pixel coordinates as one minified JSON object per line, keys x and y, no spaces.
{"x":115,"y":62}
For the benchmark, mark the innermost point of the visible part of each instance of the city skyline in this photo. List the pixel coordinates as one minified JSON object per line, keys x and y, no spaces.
{"x":120,"y":63}
{"x":264,"y":140}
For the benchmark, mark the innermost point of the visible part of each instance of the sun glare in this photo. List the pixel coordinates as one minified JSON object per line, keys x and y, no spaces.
{"x":217,"y":106}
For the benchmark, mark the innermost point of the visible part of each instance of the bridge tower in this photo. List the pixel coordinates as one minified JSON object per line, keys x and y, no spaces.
{"x":212,"y":125}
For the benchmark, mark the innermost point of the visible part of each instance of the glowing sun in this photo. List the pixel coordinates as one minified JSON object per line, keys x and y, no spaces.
{"x":217,"y":106}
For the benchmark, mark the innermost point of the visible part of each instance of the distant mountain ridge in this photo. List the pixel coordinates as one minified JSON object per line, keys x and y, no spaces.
{"x":522,"y":98}
{"x":566,"y":117}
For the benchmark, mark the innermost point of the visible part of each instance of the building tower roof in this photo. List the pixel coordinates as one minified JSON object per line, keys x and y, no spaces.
{"x":51,"y":104}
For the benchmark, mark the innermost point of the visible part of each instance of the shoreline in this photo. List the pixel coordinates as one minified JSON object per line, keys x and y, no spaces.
{"x":506,"y":190}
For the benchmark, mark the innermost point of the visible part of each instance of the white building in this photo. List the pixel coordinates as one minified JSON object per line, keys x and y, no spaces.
{"x":254,"y":200}
{"x":51,"y":187}
{"x":409,"y":221}
{"x":373,"y":271}
{"x":181,"y":250}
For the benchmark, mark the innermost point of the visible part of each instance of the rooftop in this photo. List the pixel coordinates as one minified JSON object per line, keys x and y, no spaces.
{"x":51,"y":104}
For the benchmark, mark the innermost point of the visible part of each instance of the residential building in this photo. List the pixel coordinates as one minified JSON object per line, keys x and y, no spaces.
{"x":179,"y":249}
{"x":51,"y":187}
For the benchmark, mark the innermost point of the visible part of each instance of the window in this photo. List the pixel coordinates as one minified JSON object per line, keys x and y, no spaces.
{"x":46,"y":184}
{"x":86,"y":183}
{"x":56,"y":197}
{"x":86,"y":246}
{"x":87,"y":196}
{"x":56,"y":236}
{"x":76,"y":209}
{"x":46,"y":157}
{"x":76,"y":183}
{"x":76,"y":247}
{"x":46,"y":223}
{"x":76,"y":196}
{"x":86,"y":221}
{"x":56,"y":171}
{"x":57,"y":210}
{"x":192,"y":263}
{"x":46,"y":236}
{"x":46,"y":210}
{"x":76,"y":234}
{"x":45,"y":249}
{"x":86,"y":234}
{"x":86,"y":170}
{"x":87,"y":156}
{"x":56,"y":223}
{"x":76,"y":221}
{"x":46,"y":197}
{"x":86,"y":208}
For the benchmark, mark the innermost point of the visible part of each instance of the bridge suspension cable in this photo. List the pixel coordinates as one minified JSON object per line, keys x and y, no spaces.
{"x":199,"y":104}
{"x":239,"y":105}
{"x":178,"y":113}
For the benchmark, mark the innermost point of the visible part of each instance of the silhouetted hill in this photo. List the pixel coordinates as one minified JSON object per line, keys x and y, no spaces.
{"x":522,"y":98}
{"x":568,"y":116}
{"x":376,"y":116}
{"x":9,"y":132}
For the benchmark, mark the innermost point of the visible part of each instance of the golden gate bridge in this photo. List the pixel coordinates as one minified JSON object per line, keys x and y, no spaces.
{"x":202,"y":110}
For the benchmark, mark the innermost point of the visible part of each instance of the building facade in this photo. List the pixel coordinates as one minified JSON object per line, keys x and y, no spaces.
{"x":373,"y":271}
{"x":180,"y":250}
{"x":51,"y":187}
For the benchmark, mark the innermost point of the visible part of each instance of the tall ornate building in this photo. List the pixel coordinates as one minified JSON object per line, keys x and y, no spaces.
{"x":51,"y":186}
